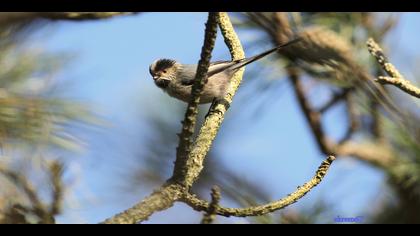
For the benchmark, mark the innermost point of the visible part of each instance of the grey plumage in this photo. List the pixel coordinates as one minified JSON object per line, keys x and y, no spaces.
{"x":176,"y":79}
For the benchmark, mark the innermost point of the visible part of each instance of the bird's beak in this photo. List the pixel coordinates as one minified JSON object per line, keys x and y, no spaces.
{"x":155,"y":77}
{"x":162,"y":82}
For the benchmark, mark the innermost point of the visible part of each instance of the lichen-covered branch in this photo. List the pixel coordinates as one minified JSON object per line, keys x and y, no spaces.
{"x":164,"y":197}
{"x":15,"y":17}
{"x":159,"y":200}
{"x":395,"y":78}
{"x":202,"y":205}
{"x":81,"y":16}
{"x":210,"y":215}
{"x":187,"y":169}
{"x":402,"y":84}
{"x":189,"y":122}
{"x":213,"y":121}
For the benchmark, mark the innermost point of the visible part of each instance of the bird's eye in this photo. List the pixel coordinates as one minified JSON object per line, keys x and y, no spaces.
{"x":164,"y":71}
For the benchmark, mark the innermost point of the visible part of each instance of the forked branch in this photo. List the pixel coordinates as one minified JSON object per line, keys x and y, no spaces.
{"x":395,"y":78}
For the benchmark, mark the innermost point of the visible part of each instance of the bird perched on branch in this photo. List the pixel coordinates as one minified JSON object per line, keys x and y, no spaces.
{"x":177,"y":79}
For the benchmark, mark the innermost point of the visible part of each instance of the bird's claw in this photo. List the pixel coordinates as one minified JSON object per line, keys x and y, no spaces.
{"x":213,"y":109}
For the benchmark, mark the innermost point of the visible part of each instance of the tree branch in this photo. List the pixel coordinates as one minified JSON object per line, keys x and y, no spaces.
{"x":189,"y":167}
{"x":201,"y":205}
{"x":21,"y":182}
{"x":401,"y":83}
{"x":55,"y":172}
{"x":312,"y":117}
{"x":7,"y":18}
{"x":395,"y":78}
{"x":210,"y":215}
{"x":164,"y":197}
{"x":377,"y":154}
{"x":352,"y":119}
{"x":213,"y":121}
{"x":17,"y":213}
{"x":337,"y":97}
{"x":159,"y":200}
{"x":81,"y":16}
{"x":188,"y":124}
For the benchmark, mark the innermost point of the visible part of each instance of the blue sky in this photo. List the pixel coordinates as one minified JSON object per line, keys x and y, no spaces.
{"x":110,"y":72}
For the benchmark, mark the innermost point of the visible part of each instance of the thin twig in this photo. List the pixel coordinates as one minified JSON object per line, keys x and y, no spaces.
{"x":312,"y":116}
{"x":21,"y":182}
{"x":210,"y":215}
{"x":395,"y":78}
{"x":352,"y":119}
{"x":37,"y":207}
{"x":56,"y":171}
{"x":376,"y":125}
{"x":402,"y":84}
{"x":337,"y":97}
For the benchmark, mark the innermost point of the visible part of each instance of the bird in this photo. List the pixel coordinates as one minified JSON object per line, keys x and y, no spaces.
{"x":176,"y":79}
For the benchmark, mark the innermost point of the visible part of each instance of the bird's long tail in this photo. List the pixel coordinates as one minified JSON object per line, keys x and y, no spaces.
{"x":233,"y":66}
{"x":243,"y":62}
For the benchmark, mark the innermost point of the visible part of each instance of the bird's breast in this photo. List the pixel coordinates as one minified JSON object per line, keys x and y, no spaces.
{"x":214,"y":88}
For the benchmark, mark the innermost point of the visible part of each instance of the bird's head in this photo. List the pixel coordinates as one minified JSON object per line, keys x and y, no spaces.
{"x":163,"y":71}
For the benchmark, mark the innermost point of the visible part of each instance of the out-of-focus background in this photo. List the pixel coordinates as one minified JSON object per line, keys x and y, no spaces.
{"x":85,"y":133}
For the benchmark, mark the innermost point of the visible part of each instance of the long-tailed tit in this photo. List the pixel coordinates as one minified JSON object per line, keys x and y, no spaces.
{"x":176,"y":79}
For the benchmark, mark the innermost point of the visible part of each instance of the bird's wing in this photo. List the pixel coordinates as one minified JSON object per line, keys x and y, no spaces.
{"x":187,"y":74}
{"x":218,"y":63}
{"x":220,"y":66}
{"x":214,"y":68}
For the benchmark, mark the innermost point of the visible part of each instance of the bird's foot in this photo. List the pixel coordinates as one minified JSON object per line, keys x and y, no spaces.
{"x":213,"y":109}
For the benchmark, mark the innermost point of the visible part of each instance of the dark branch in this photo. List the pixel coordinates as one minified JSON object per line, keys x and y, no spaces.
{"x":188,"y":124}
